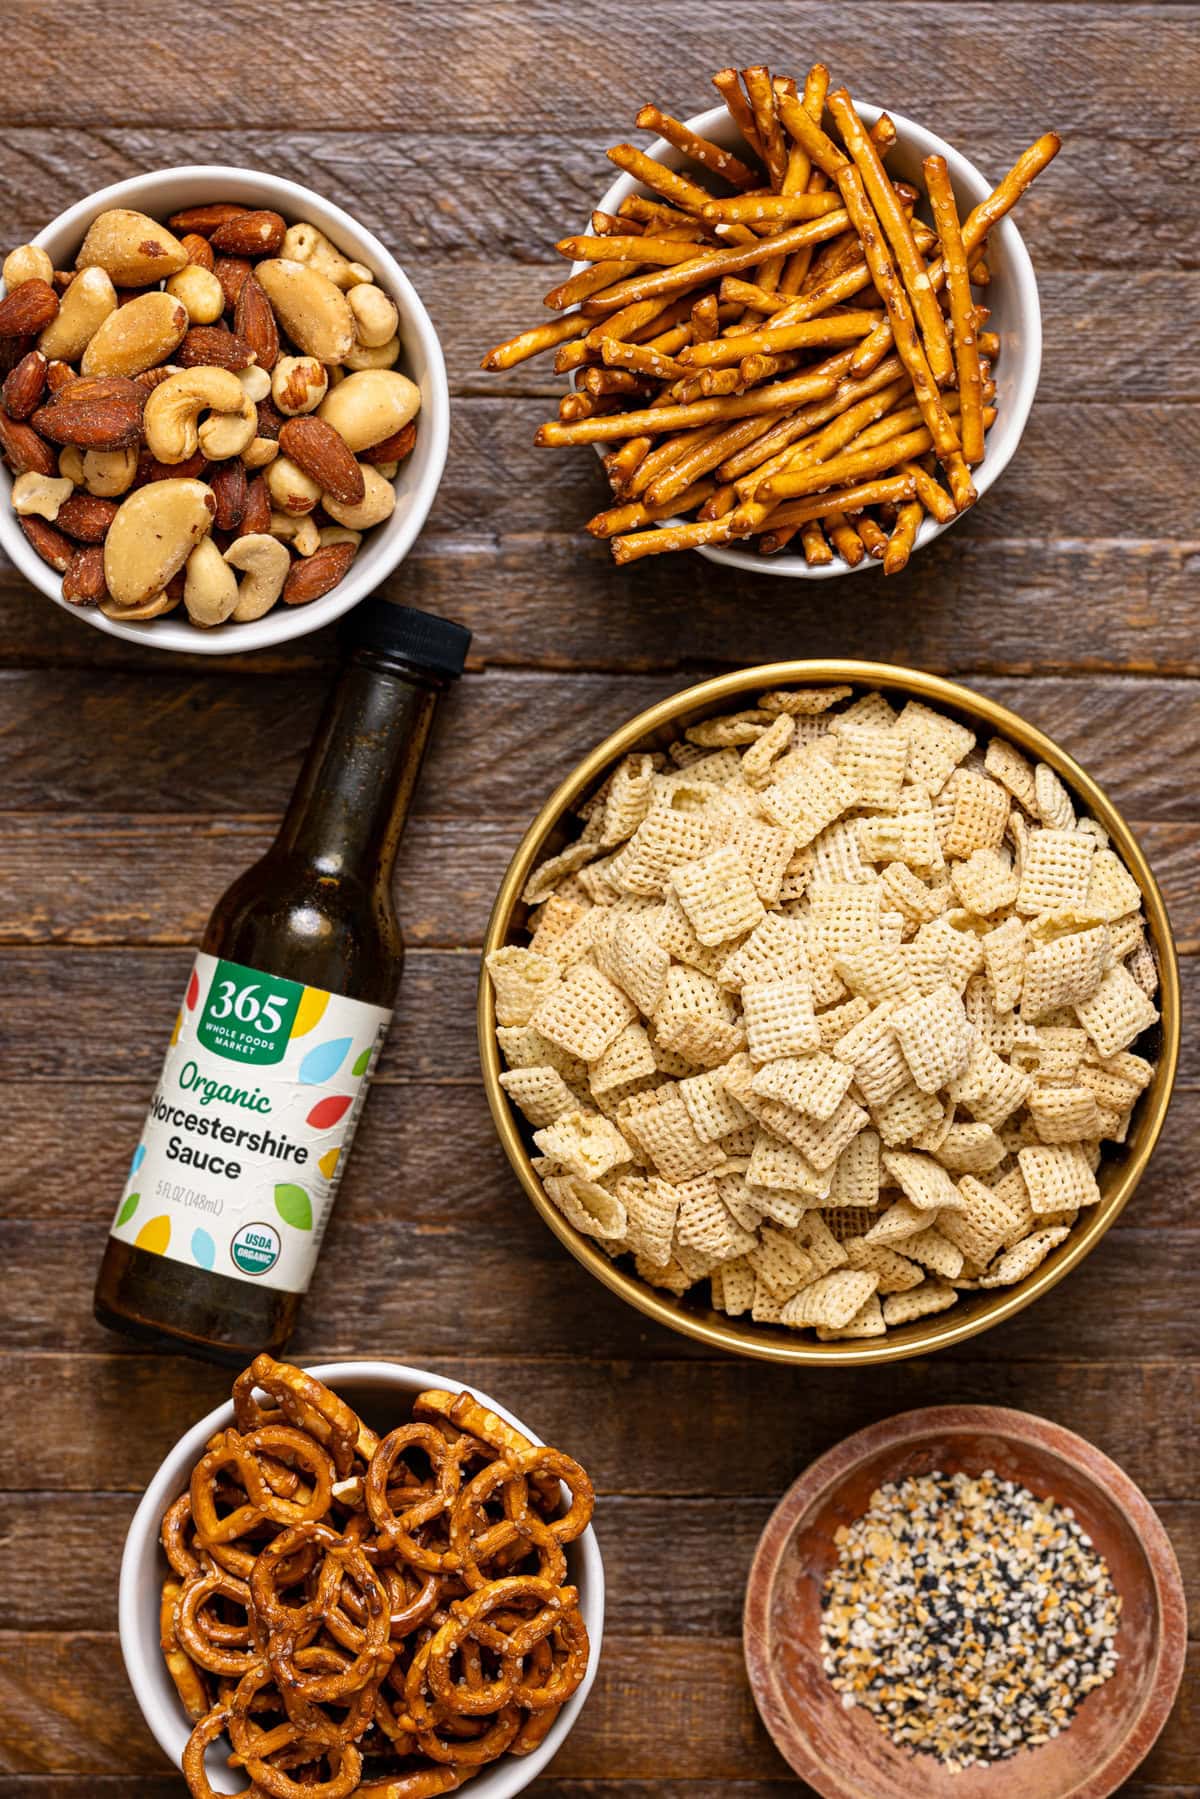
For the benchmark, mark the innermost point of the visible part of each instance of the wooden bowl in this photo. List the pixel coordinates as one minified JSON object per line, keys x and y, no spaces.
{"x":846,"y":1754}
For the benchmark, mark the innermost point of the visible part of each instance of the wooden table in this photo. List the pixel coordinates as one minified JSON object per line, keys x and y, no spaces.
{"x":135,"y":785}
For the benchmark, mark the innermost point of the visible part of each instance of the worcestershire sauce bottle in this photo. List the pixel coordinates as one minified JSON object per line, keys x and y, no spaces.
{"x":229,"y":1192}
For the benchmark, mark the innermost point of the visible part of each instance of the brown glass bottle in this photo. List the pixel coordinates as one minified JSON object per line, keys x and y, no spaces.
{"x":310,"y":927}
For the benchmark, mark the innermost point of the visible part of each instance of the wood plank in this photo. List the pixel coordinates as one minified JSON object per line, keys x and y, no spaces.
{"x":84,"y":883}
{"x":607,"y":76}
{"x":116,"y":1786}
{"x":636,"y":1422}
{"x":92,"y":988}
{"x":654,"y":1697}
{"x":60,"y":1555}
{"x":183,"y":743}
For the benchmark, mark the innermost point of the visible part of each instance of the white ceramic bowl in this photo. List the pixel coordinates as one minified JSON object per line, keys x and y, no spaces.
{"x":162,"y":192}
{"x":380,"y":1391}
{"x":1011,"y":294}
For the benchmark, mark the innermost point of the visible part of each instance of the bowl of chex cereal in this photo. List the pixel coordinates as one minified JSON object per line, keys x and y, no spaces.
{"x":829,"y":1012}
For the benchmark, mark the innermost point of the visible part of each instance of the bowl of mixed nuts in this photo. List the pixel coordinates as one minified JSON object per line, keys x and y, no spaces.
{"x":223,"y":410}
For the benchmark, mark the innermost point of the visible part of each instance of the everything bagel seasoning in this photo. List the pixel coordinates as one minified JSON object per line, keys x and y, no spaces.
{"x":968,"y":1616}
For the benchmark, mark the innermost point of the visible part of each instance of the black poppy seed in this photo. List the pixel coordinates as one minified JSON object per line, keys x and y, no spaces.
{"x":968,"y":1616}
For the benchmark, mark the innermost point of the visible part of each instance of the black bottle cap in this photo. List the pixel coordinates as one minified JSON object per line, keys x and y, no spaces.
{"x":421,"y":638}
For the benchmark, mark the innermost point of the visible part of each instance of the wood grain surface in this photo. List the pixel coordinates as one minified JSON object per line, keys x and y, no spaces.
{"x":133,"y":786}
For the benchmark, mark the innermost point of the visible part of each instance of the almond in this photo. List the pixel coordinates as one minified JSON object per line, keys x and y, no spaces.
{"x":50,"y":544}
{"x":58,"y":375}
{"x":86,"y":517}
{"x":83,"y":579}
{"x":256,"y":513}
{"x":394,"y":448}
{"x":231,"y":271}
{"x":28,"y":309}
{"x":210,"y":344}
{"x":94,"y":424}
{"x":270,"y":420}
{"x":316,"y":574}
{"x":199,"y":250}
{"x":24,"y":450}
{"x":24,"y":385}
{"x":228,"y":482}
{"x":249,"y":234}
{"x":254,"y":320}
{"x":149,"y":468}
{"x":316,"y":447}
{"x":204,"y":219}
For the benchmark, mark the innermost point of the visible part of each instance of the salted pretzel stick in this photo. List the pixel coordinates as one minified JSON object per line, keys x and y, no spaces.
{"x":817,"y":552}
{"x":962,"y":306}
{"x":932,"y":494}
{"x":671,"y":537}
{"x":677,"y":189}
{"x":665,"y":455}
{"x":748,"y":293}
{"x":873,"y":349}
{"x":588,"y":403}
{"x":766,"y":122}
{"x":848,"y":431}
{"x":816,"y":86}
{"x":831,"y":328}
{"x":891,"y":488}
{"x":846,"y":540}
{"x":989,"y":345}
{"x":1007,"y":192}
{"x":641,"y":209}
{"x":701,"y":149}
{"x":820,"y":149}
{"x":776,"y":398}
{"x":582,"y":286}
{"x":759,"y":208}
{"x":761,"y":458}
{"x":720,"y":502}
{"x":716,"y":263}
{"x":616,"y":381}
{"x":657,"y":250}
{"x":704,"y":457}
{"x":636,"y":513}
{"x":874,"y":537}
{"x":903,"y":537}
{"x":641,"y":360}
{"x":753,"y":370}
{"x":533,"y":342}
{"x":705,"y":319}
{"x":621,"y":465}
{"x":727,"y":85}
{"x":904,"y":332}
{"x":852,"y":465}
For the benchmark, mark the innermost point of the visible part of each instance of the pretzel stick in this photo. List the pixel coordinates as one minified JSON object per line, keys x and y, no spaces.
{"x":720,"y":502}
{"x":847,"y":499}
{"x":759,"y":208}
{"x":903,"y":537}
{"x":817,"y":552}
{"x":766,"y":122}
{"x":962,"y":306}
{"x":933,"y":495}
{"x":641,"y":208}
{"x":665,"y":455}
{"x":904,"y":333}
{"x":989,"y":345}
{"x":821,"y":150}
{"x":716,"y":263}
{"x":671,"y":537}
{"x":765,"y":457}
{"x":776,"y":398}
{"x":586,"y":405}
{"x":704,"y":457}
{"x":748,"y":293}
{"x":832,"y":328}
{"x":1007,"y":192}
{"x":706,"y":319}
{"x":727,"y":85}
{"x":874,"y":538}
{"x":873,"y":349}
{"x":641,"y":359}
{"x":846,"y":540}
{"x":700,"y":149}
{"x":674,"y":187}
{"x":582,"y":286}
{"x":626,"y":249}
{"x":853,"y":465}
{"x":533,"y":342}
{"x":616,"y":381}
{"x":755,"y":369}
{"x":635,"y":513}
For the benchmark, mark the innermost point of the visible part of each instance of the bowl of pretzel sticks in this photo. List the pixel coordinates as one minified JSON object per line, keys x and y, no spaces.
{"x":803,"y":333}
{"x":356,"y":1580}
{"x":829,"y":1013}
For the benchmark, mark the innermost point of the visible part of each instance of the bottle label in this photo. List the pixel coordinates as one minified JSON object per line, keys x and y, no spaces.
{"x":250,"y":1125}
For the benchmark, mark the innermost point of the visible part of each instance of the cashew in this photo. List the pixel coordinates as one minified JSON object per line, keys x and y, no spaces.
{"x":314,"y":313}
{"x":383,"y":356}
{"x":387,"y":470}
{"x":26,"y":263}
{"x":259,"y":451}
{"x":369,"y":406}
{"x":82,"y":310}
{"x":256,"y":382}
{"x":154,"y":607}
{"x":305,"y":243}
{"x":331,"y":534}
{"x":210,"y":591}
{"x":298,"y":384}
{"x":378,"y":502}
{"x":266,"y":562}
{"x":134,"y":249}
{"x":200,"y":292}
{"x":151,"y":536}
{"x":174,"y":407}
{"x":376,"y":318}
{"x":301,"y":533}
{"x":43,"y":494}
{"x":108,"y":473}
{"x":291,"y":490}
{"x":137,"y":336}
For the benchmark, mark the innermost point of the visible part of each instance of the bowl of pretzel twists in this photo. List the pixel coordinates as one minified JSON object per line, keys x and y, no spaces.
{"x":357,"y":1581}
{"x":803,"y":333}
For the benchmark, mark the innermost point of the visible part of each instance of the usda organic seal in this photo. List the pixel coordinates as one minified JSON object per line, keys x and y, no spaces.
{"x":255,"y":1248}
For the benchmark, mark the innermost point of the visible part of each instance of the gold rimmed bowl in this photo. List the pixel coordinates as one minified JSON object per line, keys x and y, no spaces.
{"x":1122,"y":1166}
